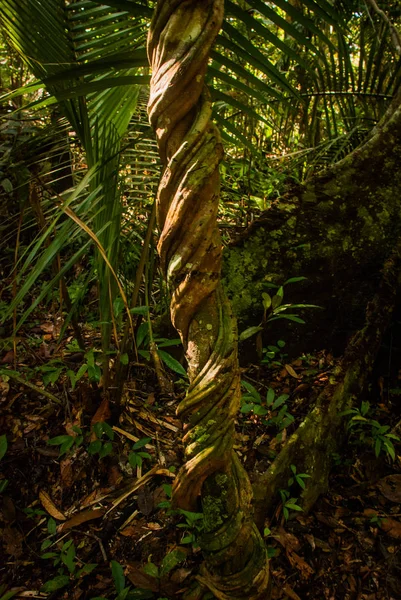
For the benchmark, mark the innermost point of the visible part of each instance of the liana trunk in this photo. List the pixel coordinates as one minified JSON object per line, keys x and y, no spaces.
{"x":180,"y":38}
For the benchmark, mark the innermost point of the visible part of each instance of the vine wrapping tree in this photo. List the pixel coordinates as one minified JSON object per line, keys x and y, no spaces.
{"x":180,"y":39}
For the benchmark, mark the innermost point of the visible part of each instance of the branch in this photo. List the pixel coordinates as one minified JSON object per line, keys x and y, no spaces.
{"x":395,"y":36}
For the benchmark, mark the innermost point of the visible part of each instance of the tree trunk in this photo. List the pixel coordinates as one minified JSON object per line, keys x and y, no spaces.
{"x":180,"y":38}
{"x":336,"y":229}
{"x":322,"y":433}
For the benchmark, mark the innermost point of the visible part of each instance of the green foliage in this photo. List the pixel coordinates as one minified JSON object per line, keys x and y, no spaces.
{"x":99,"y":446}
{"x":273,"y":310}
{"x":64,"y":557}
{"x":288,"y":503}
{"x":369,"y":431}
{"x":275,"y":408}
{"x":297,"y":478}
{"x":136,"y":456}
{"x":193,"y":526}
{"x":169,"y":562}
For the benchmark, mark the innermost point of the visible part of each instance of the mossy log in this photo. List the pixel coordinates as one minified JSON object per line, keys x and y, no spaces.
{"x":321,"y":434}
{"x":337,"y":230}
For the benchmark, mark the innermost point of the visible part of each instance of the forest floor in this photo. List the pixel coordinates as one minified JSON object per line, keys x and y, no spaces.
{"x":94,"y":522}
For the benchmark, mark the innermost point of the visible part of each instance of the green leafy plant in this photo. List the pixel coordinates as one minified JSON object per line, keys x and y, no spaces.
{"x":7,"y":595}
{"x":64,"y":558}
{"x":67,"y":442}
{"x":136,"y":456}
{"x":289,"y":503}
{"x":253,"y":402}
{"x":169,"y":562}
{"x":100,"y":446}
{"x":193,"y":526}
{"x":144,"y":338}
{"x":273,"y":354}
{"x":274,"y":309}
{"x":168,"y":490}
{"x":124,"y":592}
{"x":297,"y":478}
{"x":370,"y":431}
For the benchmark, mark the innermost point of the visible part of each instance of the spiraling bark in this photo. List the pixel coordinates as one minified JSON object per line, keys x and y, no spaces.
{"x":180,"y":38}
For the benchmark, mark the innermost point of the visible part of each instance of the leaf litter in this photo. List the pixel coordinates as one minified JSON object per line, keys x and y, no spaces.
{"x":114,"y":512}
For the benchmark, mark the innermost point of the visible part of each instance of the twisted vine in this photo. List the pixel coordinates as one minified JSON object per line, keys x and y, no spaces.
{"x":180,"y":38}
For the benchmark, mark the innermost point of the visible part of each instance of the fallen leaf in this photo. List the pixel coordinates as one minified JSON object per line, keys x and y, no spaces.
{"x":291,"y":371}
{"x":67,"y":472}
{"x":391,"y":527}
{"x":390,"y":487}
{"x":82,"y":517}
{"x":12,"y":541}
{"x":286,"y":539}
{"x":290,"y":593}
{"x":50,"y":507}
{"x":297,"y":561}
{"x":8,"y":357}
{"x":103,"y":412}
{"x":140,"y":579}
{"x":9,"y":511}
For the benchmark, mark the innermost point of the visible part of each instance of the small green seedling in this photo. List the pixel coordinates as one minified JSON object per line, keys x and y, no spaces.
{"x":371,"y":431}
{"x":66,"y":442}
{"x":100,"y":446}
{"x":288,"y":503}
{"x":136,"y":456}
{"x":64,"y":557}
{"x":297,"y":477}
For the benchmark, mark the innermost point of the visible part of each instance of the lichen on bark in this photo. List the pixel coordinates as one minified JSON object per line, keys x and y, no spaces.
{"x":181,"y":35}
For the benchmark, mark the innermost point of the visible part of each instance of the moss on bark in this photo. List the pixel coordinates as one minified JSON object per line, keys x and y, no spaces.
{"x":336,"y":229}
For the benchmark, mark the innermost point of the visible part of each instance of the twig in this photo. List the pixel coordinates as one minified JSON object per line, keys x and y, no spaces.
{"x":33,"y":387}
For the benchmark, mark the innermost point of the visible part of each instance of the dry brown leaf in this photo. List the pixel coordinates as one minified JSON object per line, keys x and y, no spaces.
{"x":391,"y":527}
{"x":141,"y":579}
{"x":297,"y":561}
{"x":103,"y":412}
{"x":12,"y":542}
{"x":286,"y":539}
{"x":67,"y":472}
{"x":390,"y":487}
{"x":82,"y":517}
{"x":290,"y":593}
{"x":50,"y":507}
{"x":291,"y":371}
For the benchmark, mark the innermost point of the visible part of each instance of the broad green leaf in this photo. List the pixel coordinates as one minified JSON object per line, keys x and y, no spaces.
{"x":252,"y":390}
{"x":151,"y":569}
{"x":293,"y":506}
{"x":294,"y":280}
{"x":172,"y":363}
{"x":118,"y":575}
{"x":171,"y":560}
{"x":55,"y":584}
{"x":141,"y":443}
{"x":280,"y":401}
{"x":124,"y":359}
{"x":249,"y":332}
{"x":270,"y":396}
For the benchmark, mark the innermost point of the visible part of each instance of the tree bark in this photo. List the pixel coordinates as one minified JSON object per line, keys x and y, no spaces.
{"x":337,"y":229}
{"x":181,"y":35}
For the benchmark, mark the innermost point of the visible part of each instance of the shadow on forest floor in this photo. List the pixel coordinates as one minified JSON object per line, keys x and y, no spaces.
{"x":106,"y":498}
